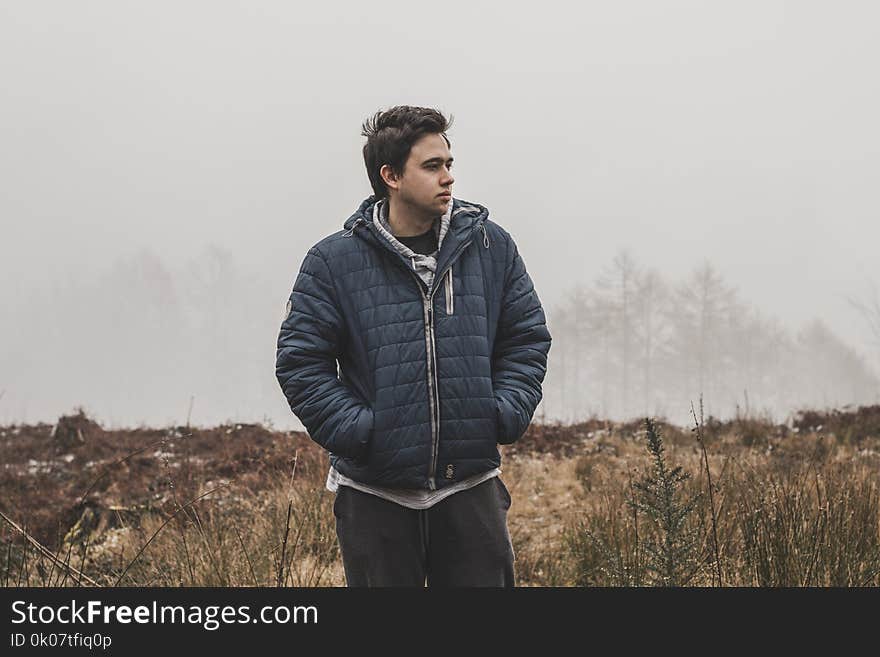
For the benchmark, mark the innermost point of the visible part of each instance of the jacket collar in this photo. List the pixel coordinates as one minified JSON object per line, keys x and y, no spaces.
{"x":465,"y":219}
{"x":380,"y":221}
{"x":464,"y":214}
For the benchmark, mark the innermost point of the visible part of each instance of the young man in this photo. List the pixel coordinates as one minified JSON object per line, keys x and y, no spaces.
{"x":442,"y":348}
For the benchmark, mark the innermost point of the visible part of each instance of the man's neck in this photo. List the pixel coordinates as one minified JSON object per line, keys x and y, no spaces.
{"x":407,"y":221}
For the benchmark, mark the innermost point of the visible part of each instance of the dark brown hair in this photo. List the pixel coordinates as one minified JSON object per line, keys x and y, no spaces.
{"x":390,"y":136}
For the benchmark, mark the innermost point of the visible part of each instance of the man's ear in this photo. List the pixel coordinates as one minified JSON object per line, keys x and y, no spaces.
{"x":391,"y":179}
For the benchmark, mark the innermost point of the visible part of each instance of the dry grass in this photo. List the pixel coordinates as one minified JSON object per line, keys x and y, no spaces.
{"x":791,"y":509}
{"x":801,"y":511}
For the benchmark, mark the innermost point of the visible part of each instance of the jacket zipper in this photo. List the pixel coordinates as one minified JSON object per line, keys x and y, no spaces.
{"x":431,"y":349}
{"x":432,"y":359}
{"x":432,"y":391}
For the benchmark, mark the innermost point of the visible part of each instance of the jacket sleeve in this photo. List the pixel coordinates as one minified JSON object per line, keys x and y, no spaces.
{"x":519,"y":358}
{"x":309,"y":342}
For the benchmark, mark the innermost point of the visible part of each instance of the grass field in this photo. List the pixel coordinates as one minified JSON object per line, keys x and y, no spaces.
{"x":594,"y":504}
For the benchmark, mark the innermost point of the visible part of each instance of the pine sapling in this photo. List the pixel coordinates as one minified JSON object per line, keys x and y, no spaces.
{"x":670,"y":548}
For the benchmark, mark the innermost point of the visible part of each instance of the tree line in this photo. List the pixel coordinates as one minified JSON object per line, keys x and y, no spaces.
{"x":633,"y":343}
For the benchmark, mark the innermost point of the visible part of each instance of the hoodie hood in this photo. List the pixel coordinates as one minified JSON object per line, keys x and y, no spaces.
{"x":464,"y":214}
{"x":455,"y":229}
{"x":423,"y":264}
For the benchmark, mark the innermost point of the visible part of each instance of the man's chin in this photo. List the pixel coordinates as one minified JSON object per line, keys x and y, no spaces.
{"x":436,"y":207}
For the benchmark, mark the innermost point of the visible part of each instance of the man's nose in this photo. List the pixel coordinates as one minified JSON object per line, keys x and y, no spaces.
{"x":448,"y":179}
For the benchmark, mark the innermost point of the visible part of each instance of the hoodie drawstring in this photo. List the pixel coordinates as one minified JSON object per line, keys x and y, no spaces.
{"x":353,"y":226}
{"x":485,"y":236}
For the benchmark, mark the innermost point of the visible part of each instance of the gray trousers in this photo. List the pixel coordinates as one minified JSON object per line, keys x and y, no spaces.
{"x":460,"y":541}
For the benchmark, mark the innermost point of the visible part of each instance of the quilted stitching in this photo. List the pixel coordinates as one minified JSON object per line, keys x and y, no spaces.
{"x":352,"y":302}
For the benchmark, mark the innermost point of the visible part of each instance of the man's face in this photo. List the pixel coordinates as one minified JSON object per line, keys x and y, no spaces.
{"x":426,"y":182}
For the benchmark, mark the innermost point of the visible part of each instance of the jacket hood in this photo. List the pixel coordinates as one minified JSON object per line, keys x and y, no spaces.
{"x":460,"y":222}
{"x":465,"y":215}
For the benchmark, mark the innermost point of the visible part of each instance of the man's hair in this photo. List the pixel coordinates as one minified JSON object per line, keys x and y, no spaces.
{"x":390,"y":136}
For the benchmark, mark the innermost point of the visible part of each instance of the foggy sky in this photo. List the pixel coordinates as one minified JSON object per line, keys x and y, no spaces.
{"x":744,"y":133}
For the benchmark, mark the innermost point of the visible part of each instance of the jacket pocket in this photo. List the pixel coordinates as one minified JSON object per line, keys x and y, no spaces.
{"x":362,"y":438}
{"x":510,"y":423}
{"x":505,"y":493}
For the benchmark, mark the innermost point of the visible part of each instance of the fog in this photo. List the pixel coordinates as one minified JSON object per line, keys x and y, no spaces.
{"x":166,"y":166}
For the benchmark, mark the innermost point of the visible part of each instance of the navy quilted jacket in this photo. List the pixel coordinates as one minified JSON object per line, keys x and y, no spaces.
{"x":429,"y":381}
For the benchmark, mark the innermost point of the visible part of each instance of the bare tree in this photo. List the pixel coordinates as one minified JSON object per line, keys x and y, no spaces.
{"x":651,"y":296}
{"x":617,"y":286}
{"x":701,"y":306}
{"x":835,"y":373}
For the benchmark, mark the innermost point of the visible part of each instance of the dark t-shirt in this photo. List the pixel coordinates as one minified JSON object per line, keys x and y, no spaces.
{"x":426,"y":243}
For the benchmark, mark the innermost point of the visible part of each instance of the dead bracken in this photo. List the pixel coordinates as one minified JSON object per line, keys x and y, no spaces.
{"x":75,"y":487}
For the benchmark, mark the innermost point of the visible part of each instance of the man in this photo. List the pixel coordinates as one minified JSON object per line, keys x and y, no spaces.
{"x":442,"y":347}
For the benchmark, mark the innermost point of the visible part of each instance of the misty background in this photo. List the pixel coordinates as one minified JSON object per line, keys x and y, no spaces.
{"x":693,"y":188}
